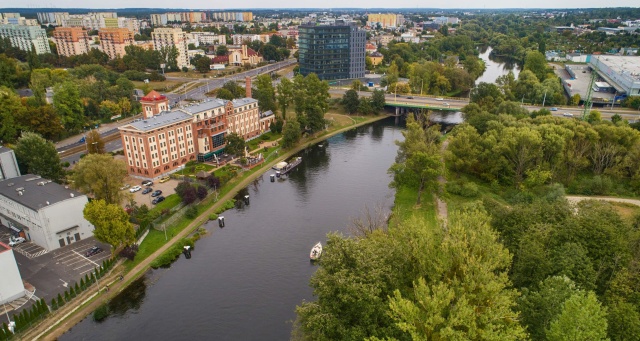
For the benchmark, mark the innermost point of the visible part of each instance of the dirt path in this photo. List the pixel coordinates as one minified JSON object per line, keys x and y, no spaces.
{"x":53,"y":327}
{"x":441,"y":205}
{"x":575,"y":199}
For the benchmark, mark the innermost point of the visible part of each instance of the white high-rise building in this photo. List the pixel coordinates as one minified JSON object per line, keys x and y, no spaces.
{"x":163,"y":37}
{"x":26,"y":37}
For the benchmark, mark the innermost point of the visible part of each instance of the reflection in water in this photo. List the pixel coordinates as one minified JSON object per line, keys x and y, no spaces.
{"x":495,"y":66}
{"x":315,"y":159}
{"x":240,"y":201}
{"x":130,"y":298}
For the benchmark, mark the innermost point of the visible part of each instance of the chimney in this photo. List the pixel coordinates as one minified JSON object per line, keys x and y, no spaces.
{"x":247,"y":81}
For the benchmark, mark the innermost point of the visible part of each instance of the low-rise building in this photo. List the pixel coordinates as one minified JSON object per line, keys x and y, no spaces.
{"x":241,"y":55}
{"x":11,"y":286}
{"x":49,"y":214}
{"x":8,"y":164}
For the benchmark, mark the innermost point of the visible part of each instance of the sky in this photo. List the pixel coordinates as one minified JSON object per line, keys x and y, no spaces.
{"x":249,"y":4}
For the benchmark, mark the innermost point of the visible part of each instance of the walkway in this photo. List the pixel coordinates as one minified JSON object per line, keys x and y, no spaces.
{"x":441,"y":205}
{"x":576,"y":198}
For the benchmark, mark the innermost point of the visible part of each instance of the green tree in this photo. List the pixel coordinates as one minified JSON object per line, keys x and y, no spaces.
{"x":285,"y":95}
{"x":100,"y":175}
{"x":203,"y":65}
{"x":486,"y":95}
{"x":536,"y":62}
{"x":223,"y":93}
{"x":265,"y":93}
{"x":235,"y":144}
{"x":11,"y":110}
{"x":111,"y":223}
{"x":68,"y":106}
{"x":42,"y":120}
{"x":36,"y":155}
{"x":350,"y":101}
{"x":291,"y":133}
{"x":582,"y":319}
{"x":378,"y":100}
{"x":222,"y":50}
{"x":9,"y":71}
{"x":520,"y":149}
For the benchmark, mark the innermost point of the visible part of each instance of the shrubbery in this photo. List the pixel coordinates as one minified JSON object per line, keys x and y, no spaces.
{"x":462,"y":188}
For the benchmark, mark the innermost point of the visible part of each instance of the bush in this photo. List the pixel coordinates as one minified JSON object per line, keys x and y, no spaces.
{"x":191,"y":212}
{"x":101,"y":313}
{"x":213,"y":216}
{"x":597,"y":185}
{"x":172,"y":253}
{"x":463,"y":188}
{"x":129,"y":252}
{"x":229,"y":204}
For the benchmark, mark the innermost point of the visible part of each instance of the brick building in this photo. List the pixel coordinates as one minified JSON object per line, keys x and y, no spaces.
{"x":71,"y":41}
{"x":114,"y":40}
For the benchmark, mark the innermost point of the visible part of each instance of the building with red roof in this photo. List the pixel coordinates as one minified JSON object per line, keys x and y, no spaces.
{"x":153,"y":104}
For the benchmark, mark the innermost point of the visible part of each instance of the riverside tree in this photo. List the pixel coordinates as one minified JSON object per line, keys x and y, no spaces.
{"x":111,"y":223}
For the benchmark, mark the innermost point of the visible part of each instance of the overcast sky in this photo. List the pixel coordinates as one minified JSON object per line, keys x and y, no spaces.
{"x":249,"y":4}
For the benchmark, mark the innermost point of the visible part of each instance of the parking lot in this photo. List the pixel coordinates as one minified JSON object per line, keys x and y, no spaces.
{"x":167,"y":189}
{"x":52,"y":272}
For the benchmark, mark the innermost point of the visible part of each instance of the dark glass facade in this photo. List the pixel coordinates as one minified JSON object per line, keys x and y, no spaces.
{"x":332,"y":51}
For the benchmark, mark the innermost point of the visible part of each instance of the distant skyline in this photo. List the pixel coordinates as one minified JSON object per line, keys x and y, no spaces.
{"x":336,"y":4}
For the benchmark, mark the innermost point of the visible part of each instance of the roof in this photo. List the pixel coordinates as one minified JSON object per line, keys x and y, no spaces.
{"x":36,"y":191}
{"x":220,"y":59}
{"x":154,"y":96}
{"x":4,"y":149}
{"x":251,"y":52}
{"x":266,"y":114}
{"x":376,"y":54}
{"x":243,"y":101}
{"x":157,"y":121}
{"x":371,"y":47}
{"x":4,"y":247}
{"x":208,"y":104}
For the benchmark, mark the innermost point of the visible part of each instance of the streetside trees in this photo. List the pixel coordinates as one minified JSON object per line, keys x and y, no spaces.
{"x":95,"y":143}
{"x":265,"y":93}
{"x":203,"y":65}
{"x":68,"y":105}
{"x":378,"y":100}
{"x":42,"y":120}
{"x":111,"y":223}
{"x":100,"y":175}
{"x":36,"y":155}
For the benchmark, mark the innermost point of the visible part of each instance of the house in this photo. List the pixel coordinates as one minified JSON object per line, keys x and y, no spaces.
{"x":242,"y":55}
{"x":376,"y":58}
{"x":47,"y":213}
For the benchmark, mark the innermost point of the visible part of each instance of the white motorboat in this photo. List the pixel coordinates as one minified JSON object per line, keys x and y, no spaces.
{"x":316,"y":251}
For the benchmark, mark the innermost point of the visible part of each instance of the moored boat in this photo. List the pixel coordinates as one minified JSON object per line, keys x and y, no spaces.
{"x":316,"y":251}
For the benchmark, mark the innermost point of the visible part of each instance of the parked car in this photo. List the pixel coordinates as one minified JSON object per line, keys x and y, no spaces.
{"x":554,"y":109}
{"x":164,"y":179}
{"x":147,"y":183}
{"x":409,"y":97}
{"x":135,"y":189}
{"x":156,"y":193}
{"x":147,"y":190}
{"x":157,"y":200}
{"x":125,"y":187}
{"x":92,"y":251}
{"x":13,"y":241}
{"x":567,"y":114}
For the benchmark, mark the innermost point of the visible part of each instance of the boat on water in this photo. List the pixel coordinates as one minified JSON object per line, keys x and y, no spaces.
{"x":316,"y":251}
{"x":285,"y":167}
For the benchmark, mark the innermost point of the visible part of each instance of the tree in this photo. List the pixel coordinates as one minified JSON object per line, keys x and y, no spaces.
{"x":111,"y":223}
{"x":265,"y":93}
{"x":291,"y":133}
{"x":486,"y":95}
{"x":536,"y":62}
{"x":95,"y":143}
{"x":68,"y":106}
{"x":223,"y":93}
{"x":378,"y":100}
{"x":582,"y":319}
{"x":520,"y":148}
{"x":235,"y":144}
{"x":101,"y":176}
{"x":350,"y":101}
{"x":41,"y":120}
{"x":10,"y":111}
{"x":203,"y":65}
{"x":36,"y":155}
{"x":186,"y":192}
{"x":222,"y":50}
{"x":285,"y":95}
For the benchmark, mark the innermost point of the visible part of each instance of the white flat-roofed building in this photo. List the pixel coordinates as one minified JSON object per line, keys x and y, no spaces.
{"x":621,"y":72}
{"x":8,"y":164}
{"x":166,"y":37}
{"x":11,"y":286}
{"x":49,"y":214}
{"x":26,"y":37}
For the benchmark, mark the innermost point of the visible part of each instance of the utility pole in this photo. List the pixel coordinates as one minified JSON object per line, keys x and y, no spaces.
{"x":545,"y":98}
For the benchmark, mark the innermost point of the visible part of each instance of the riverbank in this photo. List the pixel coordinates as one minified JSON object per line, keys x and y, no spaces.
{"x":63,"y":324}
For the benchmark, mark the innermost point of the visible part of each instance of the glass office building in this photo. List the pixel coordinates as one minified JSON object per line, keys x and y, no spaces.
{"x":335,"y":51}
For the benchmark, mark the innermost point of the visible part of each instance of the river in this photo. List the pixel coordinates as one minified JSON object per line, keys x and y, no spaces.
{"x":495,"y":67}
{"x":244,"y":281}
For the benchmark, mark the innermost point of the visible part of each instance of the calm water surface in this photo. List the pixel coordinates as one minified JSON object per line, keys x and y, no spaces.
{"x":244,"y":281}
{"x":495,"y":67}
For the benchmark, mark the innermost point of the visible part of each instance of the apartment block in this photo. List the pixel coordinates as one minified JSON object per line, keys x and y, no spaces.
{"x":164,"y":37}
{"x":385,"y":20}
{"x":71,"y":41}
{"x":26,"y":37}
{"x":231,"y":16}
{"x":114,"y":40}
{"x":206,"y":38}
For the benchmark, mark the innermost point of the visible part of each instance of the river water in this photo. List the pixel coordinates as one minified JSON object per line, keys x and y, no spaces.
{"x":244,"y":281}
{"x":495,"y":67}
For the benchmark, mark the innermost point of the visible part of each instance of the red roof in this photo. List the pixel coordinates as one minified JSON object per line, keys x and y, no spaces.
{"x":153,"y":96}
{"x":251,"y":52}
{"x":220,"y":59}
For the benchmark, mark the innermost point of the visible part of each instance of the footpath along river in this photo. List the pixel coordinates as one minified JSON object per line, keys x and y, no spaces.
{"x":244,"y":281}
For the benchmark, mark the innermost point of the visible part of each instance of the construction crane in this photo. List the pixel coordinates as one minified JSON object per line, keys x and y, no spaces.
{"x":587,"y":101}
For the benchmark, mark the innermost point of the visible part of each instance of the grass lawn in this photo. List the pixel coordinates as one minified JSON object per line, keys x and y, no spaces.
{"x":168,"y":203}
{"x":405,"y":206}
{"x":163,"y":86}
